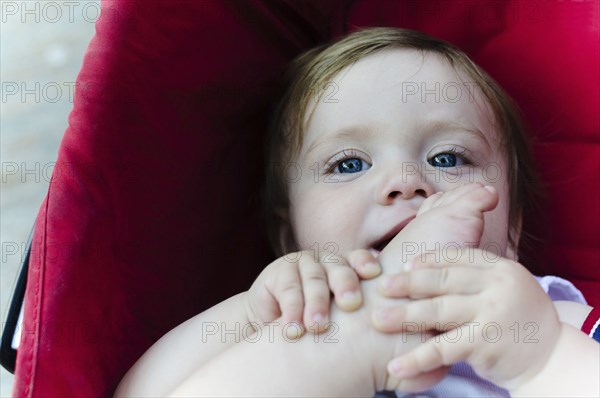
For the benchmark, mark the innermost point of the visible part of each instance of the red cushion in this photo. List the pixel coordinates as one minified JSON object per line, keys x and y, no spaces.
{"x":152,"y":214}
{"x":546,"y":55}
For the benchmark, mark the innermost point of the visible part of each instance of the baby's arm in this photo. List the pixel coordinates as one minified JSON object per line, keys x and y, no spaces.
{"x":575,"y":358}
{"x":571,"y":370}
{"x":187,"y":347}
{"x":292,"y":288}
{"x":572,"y":313}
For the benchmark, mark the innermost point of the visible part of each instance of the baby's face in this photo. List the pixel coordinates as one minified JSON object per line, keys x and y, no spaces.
{"x":401,"y":129}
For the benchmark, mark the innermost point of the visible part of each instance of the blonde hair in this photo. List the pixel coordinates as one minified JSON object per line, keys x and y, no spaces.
{"x":307,"y":76}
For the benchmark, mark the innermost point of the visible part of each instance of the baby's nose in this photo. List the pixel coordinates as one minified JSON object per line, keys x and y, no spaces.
{"x":404,"y":183}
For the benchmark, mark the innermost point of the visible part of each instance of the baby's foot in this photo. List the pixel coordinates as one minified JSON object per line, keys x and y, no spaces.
{"x":448,"y":220}
{"x":451,"y":219}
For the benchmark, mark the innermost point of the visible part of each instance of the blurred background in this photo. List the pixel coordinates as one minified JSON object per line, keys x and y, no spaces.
{"x":42,"y":44}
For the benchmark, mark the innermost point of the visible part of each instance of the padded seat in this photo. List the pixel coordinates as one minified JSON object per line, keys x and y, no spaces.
{"x":158,"y":218}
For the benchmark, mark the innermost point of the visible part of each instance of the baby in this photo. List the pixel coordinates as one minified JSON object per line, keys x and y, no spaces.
{"x":411,"y":161}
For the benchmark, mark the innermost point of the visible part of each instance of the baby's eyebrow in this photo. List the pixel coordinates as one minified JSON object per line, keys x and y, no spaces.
{"x":358,"y":132}
{"x":362,"y":132}
{"x":452,"y":126}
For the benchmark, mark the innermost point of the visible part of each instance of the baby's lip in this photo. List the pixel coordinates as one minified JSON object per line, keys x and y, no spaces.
{"x":379,"y":244}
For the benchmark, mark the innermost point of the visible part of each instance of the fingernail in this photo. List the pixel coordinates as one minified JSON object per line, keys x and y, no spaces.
{"x":350,"y":300}
{"x":409,"y":265}
{"x":319,"y":318}
{"x":350,"y":296}
{"x":396,"y":369}
{"x":490,"y":188}
{"x":293,"y":330}
{"x":371,"y":267}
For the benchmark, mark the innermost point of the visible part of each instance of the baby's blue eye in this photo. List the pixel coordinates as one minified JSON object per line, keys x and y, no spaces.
{"x":443,"y":160}
{"x":351,"y":165}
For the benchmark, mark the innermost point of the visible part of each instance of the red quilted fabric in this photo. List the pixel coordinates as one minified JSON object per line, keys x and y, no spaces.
{"x":152,"y":215}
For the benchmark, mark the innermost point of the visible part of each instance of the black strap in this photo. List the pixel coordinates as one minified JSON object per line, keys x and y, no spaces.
{"x":8,"y":355}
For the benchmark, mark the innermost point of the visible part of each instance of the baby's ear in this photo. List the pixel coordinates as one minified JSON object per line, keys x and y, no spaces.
{"x":512,"y":251}
{"x":287,"y":241}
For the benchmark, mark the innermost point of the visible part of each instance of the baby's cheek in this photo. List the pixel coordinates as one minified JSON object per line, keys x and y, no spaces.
{"x":324,"y":223}
{"x":308,"y":220}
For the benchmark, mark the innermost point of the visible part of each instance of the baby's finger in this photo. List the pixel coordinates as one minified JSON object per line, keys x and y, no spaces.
{"x":431,"y":282}
{"x":289,"y":295}
{"x":440,"y":313}
{"x":431,"y":355}
{"x":344,"y":284}
{"x":316,"y":294}
{"x":455,"y":257}
{"x":364,"y":263}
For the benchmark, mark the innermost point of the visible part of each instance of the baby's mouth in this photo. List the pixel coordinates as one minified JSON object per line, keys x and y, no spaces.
{"x":383,"y":244}
{"x":377,"y":249}
{"x":378,"y":246}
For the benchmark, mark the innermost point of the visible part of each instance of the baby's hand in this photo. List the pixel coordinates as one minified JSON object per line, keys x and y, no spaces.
{"x":297,"y":287}
{"x":490,"y":311}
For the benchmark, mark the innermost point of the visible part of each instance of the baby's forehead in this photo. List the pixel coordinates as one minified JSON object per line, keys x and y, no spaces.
{"x":404,"y":87}
{"x":404,"y":63}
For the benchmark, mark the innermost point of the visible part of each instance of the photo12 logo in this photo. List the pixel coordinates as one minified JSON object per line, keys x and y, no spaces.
{"x":490,"y":332}
{"x":448,"y":92}
{"x":51,"y":11}
{"x":53,"y":92}
{"x":253,"y":332}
